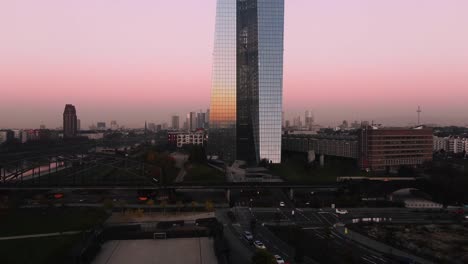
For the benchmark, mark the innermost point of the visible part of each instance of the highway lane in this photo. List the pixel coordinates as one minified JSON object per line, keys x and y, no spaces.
{"x":317,"y":224}
{"x":272,"y":243}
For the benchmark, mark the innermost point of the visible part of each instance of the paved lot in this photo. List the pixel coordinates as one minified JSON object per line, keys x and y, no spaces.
{"x":174,"y":251}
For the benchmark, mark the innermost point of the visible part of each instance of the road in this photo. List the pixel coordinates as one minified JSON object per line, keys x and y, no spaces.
{"x":180,"y":159}
{"x":320,"y":226}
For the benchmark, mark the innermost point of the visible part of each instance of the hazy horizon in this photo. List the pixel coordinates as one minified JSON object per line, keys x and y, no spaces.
{"x":135,"y":61}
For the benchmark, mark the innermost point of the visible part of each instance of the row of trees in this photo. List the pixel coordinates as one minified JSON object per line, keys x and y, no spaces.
{"x":208,"y":205}
{"x":448,"y":184}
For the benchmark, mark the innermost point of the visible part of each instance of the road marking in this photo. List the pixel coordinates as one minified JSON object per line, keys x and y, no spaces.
{"x":381,"y":259}
{"x":368,"y":260}
{"x":318,"y":218}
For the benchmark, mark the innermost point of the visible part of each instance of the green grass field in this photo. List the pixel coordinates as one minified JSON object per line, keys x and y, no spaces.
{"x":203,"y":173}
{"x":296,"y":170}
{"x":40,"y":221}
{"x":36,"y":250}
{"x":49,"y":220}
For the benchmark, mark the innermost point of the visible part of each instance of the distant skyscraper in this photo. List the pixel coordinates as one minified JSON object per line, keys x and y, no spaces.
{"x":201,"y":120}
{"x":175,"y":122}
{"x":78,"y":124}
{"x":192,"y":116}
{"x":247,"y":82}
{"x":70,"y":121}
{"x":101,"y":125}
{"x":114,"y":125}
{"x":344,"y":125}
{"x":309,"y":119}
{"x":297,"y":122}
{"x":92,"y":127}
{"x":152,"y":127}
{"x":207,"y":118}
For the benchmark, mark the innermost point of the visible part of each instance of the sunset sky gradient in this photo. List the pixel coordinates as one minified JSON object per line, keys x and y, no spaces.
{"x":136,"y":60}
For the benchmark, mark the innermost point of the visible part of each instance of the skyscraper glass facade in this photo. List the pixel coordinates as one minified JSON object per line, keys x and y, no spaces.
{"x":246,"y":100}
{"x":70,"y":121}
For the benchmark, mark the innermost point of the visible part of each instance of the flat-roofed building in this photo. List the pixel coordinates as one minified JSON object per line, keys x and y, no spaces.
{"x":192,"y":138}
{"x":387,"y":148}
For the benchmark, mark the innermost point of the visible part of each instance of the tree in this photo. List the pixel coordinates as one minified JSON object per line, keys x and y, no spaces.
{"x":179,"y":205}
{"x":108,"y":204}
{"x":264,"y":163}
{"x":122,"y":204}
{"x":263,"y":257}
{"x":209,"y":206}
{"x":197,"y":154}
{"x":150,"y":203}
{"x":194,"y":205}
{"x":164,"y":205}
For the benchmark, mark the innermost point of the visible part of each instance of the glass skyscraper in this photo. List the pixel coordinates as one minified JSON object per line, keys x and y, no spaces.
{"x":70,"y":121}
{"x":247,"y":81}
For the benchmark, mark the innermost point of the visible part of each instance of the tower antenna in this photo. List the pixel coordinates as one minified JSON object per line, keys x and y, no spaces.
{"x":419,"y":114}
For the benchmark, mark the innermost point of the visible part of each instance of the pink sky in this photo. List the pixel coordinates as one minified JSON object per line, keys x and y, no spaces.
{"x":145,"y":60}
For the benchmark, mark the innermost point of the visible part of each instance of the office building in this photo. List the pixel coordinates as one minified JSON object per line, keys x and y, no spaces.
{"x":20,"y":135}
{"x":41,"y":135}
{"x":297,"y":122}
{"x":192,"y":121}
{"x":201,"y":120}
{"x":175,"y":124}
{"x":101,"y":125}
{"x":450,"y":144}
{"x":329,"y":145}
{"x":114,"y":125}
{"x":374,"y":148}
{"x":70,"y":121}
{"x":309,"y":119}
{"x":6,"y":135}
{"x":207,"y":118}
{"x":247,"y":81}
{"x":152,"y":127}
{"x":387,"y":148}
{"x":92,"y":135}
{"x":180,"y":139}
{"x":191,"y":138}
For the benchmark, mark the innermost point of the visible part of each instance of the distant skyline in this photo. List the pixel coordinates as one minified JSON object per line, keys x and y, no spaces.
{"x":133,"y":61}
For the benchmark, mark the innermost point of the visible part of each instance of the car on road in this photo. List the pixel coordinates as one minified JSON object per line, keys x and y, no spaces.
{"x":341,"y":211}
{"x":282,"y":204}
{"x":248,"y":236}
{"x":279,"y":260}
{"x":259,"y":245}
